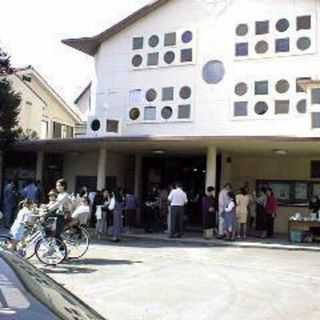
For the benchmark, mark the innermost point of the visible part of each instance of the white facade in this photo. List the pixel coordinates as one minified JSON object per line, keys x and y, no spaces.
{"x":214,"y":38}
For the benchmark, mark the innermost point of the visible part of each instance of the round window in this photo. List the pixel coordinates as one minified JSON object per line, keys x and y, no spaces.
{"x":242,"y":30}
{"x":303,"y":43}
{"x":134,"y":114}
{"x":261,"y":47}
{"x":166,"y":113}
{"x":169,"y":57}
{"x":282,"y":86}
{"x":185,"y":92}
{"x":151,"y":95}
{"x":241,"y":89}
{"x":137,"y":60}
{"x":261,"y":108}
{"x":282,"y":25}
{"x":153,"y":41}
{"x":95,"y":125}
{"x":302,"y":106}
{"x":187,"y":37}
{"x":213,"y":72}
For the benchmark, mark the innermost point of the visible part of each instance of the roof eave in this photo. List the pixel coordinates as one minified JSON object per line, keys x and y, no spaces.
{"x":90,"y":45}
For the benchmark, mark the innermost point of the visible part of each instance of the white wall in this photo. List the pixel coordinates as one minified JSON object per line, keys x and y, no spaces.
{"x":214,"y":26}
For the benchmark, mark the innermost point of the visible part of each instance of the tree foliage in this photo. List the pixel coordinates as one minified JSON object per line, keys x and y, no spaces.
{"x":9,"y":105}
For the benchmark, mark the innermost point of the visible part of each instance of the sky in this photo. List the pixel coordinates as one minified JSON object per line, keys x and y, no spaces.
{"x":31,"y":32}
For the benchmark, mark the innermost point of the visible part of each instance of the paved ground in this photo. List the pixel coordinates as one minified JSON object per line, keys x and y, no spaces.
{"x":155,"y":280}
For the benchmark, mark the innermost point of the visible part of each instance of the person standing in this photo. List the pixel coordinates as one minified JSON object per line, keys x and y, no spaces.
{"x":261,"y":200}
{"x":178,"y":199}
{"x":209,"y":212}
{"x":223,"y":201}
{"x":230,"y":219}
{"x":271,"y":212}
{"x":151,"y":207}
{"x":32,"y":192}
{"x":243,"y":201}
{"x":131,"y":206}
{"x":117,"y":207}
{"x":9,"y":203}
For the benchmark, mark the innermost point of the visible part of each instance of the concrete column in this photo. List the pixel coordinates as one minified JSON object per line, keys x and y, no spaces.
{"x":138,"y":184}
{"x":39,"y":168}
{"x":101,"y":170}
{"x":211,"y":166}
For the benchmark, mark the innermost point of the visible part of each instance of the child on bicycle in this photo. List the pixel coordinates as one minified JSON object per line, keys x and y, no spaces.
{"x":18,"y":228}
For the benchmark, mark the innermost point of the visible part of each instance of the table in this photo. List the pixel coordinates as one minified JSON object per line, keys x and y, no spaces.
{"x":302,"y":225}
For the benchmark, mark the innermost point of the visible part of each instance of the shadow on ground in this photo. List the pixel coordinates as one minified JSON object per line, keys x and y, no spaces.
{"x":102,"y":262}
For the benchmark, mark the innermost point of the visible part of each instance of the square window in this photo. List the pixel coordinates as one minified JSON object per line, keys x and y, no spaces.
{"x":261,"y":87}
{"x":315,"y":117}
{"x":282,"y":106}
{"x":167,"y":94}
{"x":298,"y":87}
{"x":170,"y":39}
{"x":262,"y":27}
{"x":303,"y":23}
{"x":186,"y":55}
{"x":184,"y":111}
{"x":153,"y":59}
{"x":135,"y":97}
{"x":283,"y":45}
{"x":112,"y":126}
{"x":240,"y":109}
{"x":137,"y":43}
{"x":242,"y":49}
{"x":315,"y":96}
{"x":150,"y":113}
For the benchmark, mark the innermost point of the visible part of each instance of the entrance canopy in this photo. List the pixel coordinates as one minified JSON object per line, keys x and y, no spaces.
{"x":265,"y":146}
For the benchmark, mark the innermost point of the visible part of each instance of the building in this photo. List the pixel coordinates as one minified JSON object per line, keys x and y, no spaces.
{"x":43,"y":115}
{"x":222,"y":91}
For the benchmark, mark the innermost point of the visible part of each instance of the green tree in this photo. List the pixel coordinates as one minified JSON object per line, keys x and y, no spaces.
{"x":9,"y":105}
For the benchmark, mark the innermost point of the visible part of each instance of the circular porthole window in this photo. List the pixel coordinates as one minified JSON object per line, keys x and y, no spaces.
{"x":169,"y":57}
{"x":153,"y":41}
{"x":302,"y":106}
{"x":134,"y":114}
{"x":303,"y":43}
{"x":261,"y":47}
{"x":151,"y":95}
{"x":282,"y":25}
{"x":166,"y":113}
{"x":241,"y":89}
{"x":185,"y":92}
{"x":261,"y":108}
{"x":137,"y":60}
{"x":282,"y":86}
{"x":95,"y":125}
{"x":213,"y":72}
{"x":187,"y":37}
{"x":242,"y":30}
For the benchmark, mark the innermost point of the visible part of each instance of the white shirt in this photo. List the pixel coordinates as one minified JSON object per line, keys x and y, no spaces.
{"x":177,"y":197}
{"x":24,"y":215}
{"x":63,"y":203}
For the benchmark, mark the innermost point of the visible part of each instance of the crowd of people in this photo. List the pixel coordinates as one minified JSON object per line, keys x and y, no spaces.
{"x":227,"y":215}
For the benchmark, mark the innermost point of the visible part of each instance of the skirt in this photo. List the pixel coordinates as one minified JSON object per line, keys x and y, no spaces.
{"x":230,"y":221}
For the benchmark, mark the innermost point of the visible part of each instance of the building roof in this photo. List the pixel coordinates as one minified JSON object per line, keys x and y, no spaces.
{"x":29,"y":70}
{"x":83,"y":92}
{"x":90,"y":45}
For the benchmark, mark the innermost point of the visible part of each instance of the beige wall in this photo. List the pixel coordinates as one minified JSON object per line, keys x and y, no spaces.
{"x":250,"y":168}
{"x":85,"y":164}
{"x":35,"y":109}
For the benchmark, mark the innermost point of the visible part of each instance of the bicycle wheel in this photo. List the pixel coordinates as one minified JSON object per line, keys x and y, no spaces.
{"x":50,"y":251}
{"x":77,"y":241}
{"x":26,"y":248}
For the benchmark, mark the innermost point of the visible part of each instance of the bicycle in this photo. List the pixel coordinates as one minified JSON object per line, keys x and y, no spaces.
{"x":77,"y":240}
{"x":48,"y":249}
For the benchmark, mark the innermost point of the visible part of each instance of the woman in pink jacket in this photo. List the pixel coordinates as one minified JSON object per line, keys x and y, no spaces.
{"x":271,"y":212}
